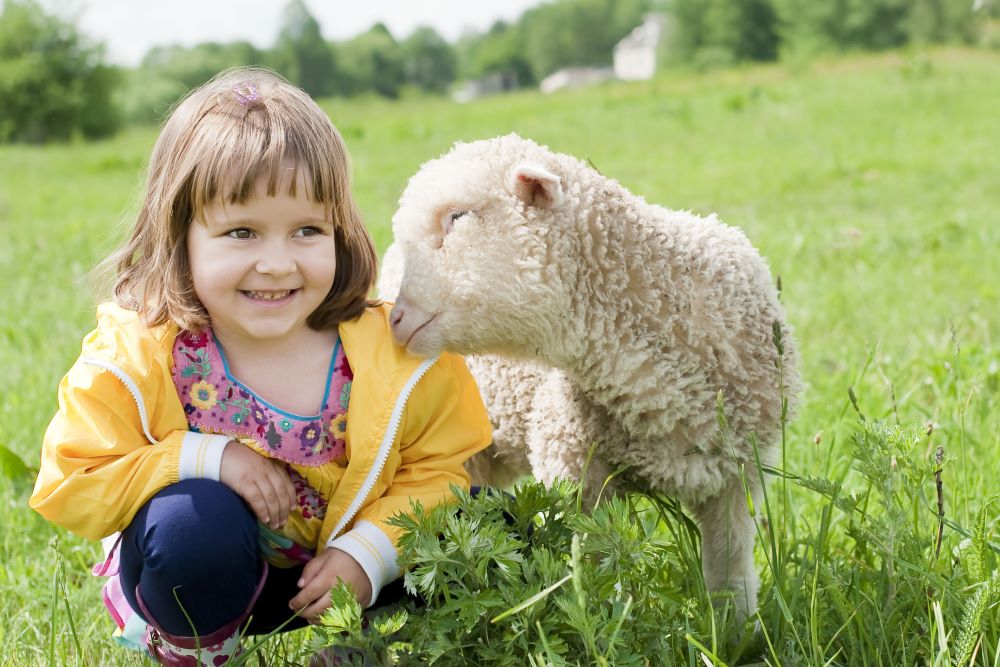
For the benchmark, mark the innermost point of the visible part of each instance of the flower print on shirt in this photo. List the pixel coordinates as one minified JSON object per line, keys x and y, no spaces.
{"x":311,"y":438}
{"x":238,"y":399}
{"x":194,"y":341}
{"x":338,"y":427}
{"x":258,"y":414}
{"x":203,"y":395}
{"x":310,"y":503}
{"x":344,"y":368}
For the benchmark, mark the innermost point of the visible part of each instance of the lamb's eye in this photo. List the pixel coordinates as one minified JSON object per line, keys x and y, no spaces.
{"x":449,"y":220}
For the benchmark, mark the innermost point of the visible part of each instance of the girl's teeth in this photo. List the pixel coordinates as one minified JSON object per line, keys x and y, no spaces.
{"x":270,"y":296}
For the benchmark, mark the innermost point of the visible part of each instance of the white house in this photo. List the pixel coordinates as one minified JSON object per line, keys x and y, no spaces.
{"x":635,"y":56}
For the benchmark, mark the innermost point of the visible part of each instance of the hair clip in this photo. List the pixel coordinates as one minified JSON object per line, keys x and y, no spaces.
{"x":246,"y":93}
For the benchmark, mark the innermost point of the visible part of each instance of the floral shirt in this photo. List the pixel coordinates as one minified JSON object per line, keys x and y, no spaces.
{"x":216,"y":402}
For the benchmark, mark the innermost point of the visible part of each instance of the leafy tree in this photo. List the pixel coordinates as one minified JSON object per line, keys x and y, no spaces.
{"x":372,"y":61}
{"x":756,"y":30}
{"x":429,"y":62}
{"x":53,"y":82}
{"x":949,"y":20}
{"x":735,"y":30}
{"x":723,"y":31}
{"x":808,"y":25}
{"x":499,"y":51}
{"x":843,"y":24}
{"x":301,"y":53}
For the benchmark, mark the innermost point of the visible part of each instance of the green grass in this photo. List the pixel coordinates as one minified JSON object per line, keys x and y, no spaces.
{"x":870,"y":184}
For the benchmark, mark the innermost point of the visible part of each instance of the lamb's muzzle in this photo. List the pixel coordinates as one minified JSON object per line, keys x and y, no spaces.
{"x":407,"y":321}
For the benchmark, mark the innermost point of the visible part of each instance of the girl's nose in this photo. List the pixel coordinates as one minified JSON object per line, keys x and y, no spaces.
{"x":276,"y":261}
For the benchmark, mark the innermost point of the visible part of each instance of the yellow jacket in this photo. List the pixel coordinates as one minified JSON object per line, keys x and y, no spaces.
{"x":412,"y":423}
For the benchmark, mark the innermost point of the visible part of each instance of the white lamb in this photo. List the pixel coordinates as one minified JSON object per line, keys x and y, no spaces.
{"x":598,"y":319}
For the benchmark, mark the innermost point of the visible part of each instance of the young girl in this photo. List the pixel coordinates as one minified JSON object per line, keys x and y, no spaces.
{"x":240,"y":425}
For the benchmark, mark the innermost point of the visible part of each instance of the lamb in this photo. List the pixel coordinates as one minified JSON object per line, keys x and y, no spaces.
{"x":598,"y":320}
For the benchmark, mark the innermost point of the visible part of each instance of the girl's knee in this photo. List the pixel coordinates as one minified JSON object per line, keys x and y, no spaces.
{"x":195,"y":542}
{"x":197,"y":523}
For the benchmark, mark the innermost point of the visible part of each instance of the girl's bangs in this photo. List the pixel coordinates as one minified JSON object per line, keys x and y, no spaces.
{"x":240,"y":147}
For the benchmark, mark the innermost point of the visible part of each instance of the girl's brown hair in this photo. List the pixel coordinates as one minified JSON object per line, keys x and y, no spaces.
{"x":223,"y":136}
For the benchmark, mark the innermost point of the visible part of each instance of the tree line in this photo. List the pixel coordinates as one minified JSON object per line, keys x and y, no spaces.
{"x":55,"y":83}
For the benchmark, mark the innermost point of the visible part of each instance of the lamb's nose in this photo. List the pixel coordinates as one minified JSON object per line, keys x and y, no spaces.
{"x":396,"y":316}
{"x":398,"y":311}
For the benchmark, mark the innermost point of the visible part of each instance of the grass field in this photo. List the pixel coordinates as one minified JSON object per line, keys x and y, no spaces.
{"x":871,"y":184}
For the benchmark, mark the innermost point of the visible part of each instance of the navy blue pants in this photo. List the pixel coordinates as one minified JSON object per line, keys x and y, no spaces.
{"x":199,"y":538}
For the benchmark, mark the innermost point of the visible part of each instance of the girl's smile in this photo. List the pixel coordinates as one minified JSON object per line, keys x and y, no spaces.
{"x":267,"y":295}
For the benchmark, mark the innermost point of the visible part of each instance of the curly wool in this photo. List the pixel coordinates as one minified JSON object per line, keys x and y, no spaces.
{"x":597,"y":320}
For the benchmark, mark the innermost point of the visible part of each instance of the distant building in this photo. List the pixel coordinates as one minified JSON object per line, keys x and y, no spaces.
{"x":636,"y":55}
{"x":490,"y":84}
{"x":575,"y":77}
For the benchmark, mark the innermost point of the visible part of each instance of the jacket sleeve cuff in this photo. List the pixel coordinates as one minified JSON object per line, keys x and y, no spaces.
{"x":374,"y":551}
{"x":201,"y":455}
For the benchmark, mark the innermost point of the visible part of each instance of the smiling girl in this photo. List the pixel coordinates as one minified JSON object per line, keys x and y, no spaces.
{"x":240,"y":425}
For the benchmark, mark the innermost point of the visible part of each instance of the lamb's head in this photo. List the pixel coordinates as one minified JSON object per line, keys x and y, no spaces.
{"x":475,"y":232}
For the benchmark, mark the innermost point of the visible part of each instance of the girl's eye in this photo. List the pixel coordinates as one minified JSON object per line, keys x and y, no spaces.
{"x":240,"y":233}
{"x":309,"y":231}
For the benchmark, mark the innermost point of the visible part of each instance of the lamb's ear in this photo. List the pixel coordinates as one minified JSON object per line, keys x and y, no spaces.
{"x":535,"y":185}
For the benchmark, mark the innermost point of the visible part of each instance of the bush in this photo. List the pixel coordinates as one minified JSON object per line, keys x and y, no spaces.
{"x":52,"y":81}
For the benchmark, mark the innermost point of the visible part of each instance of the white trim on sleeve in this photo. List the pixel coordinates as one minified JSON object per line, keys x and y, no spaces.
{"x":374,"y":551}
{"x":201,"y":455}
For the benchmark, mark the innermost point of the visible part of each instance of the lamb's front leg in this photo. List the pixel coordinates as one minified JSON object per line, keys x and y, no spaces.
{"x":563,"y":427}
{"x":507,"y":387}
{"x":727,"y":540}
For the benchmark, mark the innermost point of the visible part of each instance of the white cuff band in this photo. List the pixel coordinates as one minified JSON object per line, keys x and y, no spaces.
{"x":201,"y":455}
{"x":374,"y":551}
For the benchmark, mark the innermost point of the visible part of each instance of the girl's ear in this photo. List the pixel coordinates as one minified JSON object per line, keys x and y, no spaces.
{"x":535,"y":185}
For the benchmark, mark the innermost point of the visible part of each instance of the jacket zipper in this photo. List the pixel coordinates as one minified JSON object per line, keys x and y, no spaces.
{"x":110,"y":543}
{"x":384,"y":448}
{"x":132,"y":389}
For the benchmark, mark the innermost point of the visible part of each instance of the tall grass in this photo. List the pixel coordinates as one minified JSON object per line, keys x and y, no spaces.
{"x":869,"y":183}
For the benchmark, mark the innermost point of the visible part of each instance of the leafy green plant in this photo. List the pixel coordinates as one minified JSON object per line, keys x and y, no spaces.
{"x":529,"y":578}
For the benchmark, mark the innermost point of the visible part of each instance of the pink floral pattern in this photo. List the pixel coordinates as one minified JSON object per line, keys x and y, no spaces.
{"x":215,"y":402}
{"x":310,"y":503}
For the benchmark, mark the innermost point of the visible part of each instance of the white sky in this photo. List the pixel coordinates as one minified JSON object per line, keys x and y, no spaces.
{"x":129,"y":28}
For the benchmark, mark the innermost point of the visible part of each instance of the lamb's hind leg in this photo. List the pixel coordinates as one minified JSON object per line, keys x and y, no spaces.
{"x":727,"y":540}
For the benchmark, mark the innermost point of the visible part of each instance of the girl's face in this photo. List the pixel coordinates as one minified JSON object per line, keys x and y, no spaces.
{"x":261,"y":268}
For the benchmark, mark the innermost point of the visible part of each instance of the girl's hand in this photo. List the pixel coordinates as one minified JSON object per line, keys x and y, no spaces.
{"x":262,"y":483}
{"x":320,"y":575}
